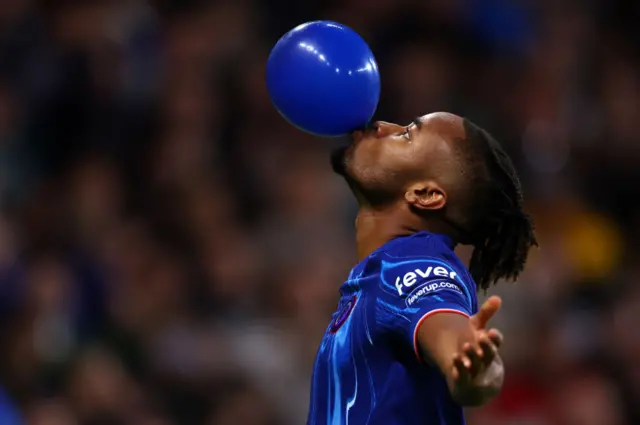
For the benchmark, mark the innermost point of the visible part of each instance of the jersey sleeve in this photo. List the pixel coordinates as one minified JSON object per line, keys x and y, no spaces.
{"x":413,"y":289}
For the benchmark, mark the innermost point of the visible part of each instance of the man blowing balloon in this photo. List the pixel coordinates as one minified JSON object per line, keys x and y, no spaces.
{"x":408,"y":344}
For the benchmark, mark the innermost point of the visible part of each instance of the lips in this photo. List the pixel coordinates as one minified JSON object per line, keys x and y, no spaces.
{"x":370,"y":130}
{"x":357,"y":135}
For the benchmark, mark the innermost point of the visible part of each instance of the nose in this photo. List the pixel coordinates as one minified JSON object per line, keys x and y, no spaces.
{"x":385,"y":129}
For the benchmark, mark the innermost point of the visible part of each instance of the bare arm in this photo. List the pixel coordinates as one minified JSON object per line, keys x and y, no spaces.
{"x":465,"y":352}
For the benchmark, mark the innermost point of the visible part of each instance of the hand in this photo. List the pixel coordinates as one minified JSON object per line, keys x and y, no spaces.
{"x":478,"y":364}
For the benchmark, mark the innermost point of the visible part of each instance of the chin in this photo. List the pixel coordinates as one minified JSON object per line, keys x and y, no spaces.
{"x":338,"y":160}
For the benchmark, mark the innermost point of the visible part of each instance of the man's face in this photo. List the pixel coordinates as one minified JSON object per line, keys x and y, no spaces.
{"x":388,"y":151}
{"x":393,"y":161}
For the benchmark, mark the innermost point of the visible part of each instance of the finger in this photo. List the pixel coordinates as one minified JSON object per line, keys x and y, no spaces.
{"x":461,"y":369}
{"x":486,"y":312}
{"x":474,"y":353}
{"x":461,"y":374}
{"x":489,"y":351}
{"x":496,"y":337}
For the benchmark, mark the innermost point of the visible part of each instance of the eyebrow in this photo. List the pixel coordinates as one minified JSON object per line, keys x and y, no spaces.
{"x":418,"y":122}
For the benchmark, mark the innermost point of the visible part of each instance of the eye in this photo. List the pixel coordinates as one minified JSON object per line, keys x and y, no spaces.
{"x":407,"y":134}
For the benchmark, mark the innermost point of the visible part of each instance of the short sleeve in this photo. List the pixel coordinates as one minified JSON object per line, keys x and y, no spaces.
{"x":413,"y":289}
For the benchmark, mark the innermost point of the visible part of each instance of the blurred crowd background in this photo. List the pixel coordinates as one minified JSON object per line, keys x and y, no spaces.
{"x":171,"y":249}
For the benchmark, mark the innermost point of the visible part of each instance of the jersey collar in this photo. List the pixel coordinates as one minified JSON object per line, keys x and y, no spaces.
{"x":445,"y":239}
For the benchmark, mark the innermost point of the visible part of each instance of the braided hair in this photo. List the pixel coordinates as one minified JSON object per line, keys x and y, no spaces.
{"x":505,"y":234}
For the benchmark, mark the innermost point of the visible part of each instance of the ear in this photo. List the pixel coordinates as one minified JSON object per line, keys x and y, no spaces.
{"x":426,"y":196}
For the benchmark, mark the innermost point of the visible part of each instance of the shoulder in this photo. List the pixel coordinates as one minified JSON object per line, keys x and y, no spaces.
{"x":423,"y":261}
{"x":423,"y":254}
{"x":416,"y":276}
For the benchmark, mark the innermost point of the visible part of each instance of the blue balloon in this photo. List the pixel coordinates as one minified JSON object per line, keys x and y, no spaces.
{"x":323,"y":78}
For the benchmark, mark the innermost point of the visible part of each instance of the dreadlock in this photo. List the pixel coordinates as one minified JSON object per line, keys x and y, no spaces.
{"x":506,"y":234}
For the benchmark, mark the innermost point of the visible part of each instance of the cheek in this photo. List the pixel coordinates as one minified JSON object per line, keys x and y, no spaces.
{"x":367,"y":162}
{"x":373,"y":155}
{"x":363,"y":156}
{"x":377,"y":161}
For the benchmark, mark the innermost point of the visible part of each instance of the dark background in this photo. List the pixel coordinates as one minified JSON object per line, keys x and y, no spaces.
{"x":171,"y":249}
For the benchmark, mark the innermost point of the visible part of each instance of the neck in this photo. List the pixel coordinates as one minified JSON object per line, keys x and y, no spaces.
{"x":374,"y":228}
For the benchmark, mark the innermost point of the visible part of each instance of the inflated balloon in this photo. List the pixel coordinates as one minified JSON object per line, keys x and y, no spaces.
{"x":323,"y":78}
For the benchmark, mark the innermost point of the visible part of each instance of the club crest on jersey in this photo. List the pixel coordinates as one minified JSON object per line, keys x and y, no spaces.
{"x":343,"y":315}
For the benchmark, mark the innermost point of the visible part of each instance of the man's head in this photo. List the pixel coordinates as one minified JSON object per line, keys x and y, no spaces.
{"x":445,"y":173}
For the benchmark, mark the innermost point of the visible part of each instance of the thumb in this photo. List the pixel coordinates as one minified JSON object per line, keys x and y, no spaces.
{"x":486,"y":312}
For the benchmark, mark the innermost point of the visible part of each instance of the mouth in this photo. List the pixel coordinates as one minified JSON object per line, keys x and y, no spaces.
{"x":357,"y":135}
{"x":360,"y":134}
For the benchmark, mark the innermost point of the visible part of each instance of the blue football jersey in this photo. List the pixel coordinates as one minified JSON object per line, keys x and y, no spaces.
{"x":367,"y":369}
